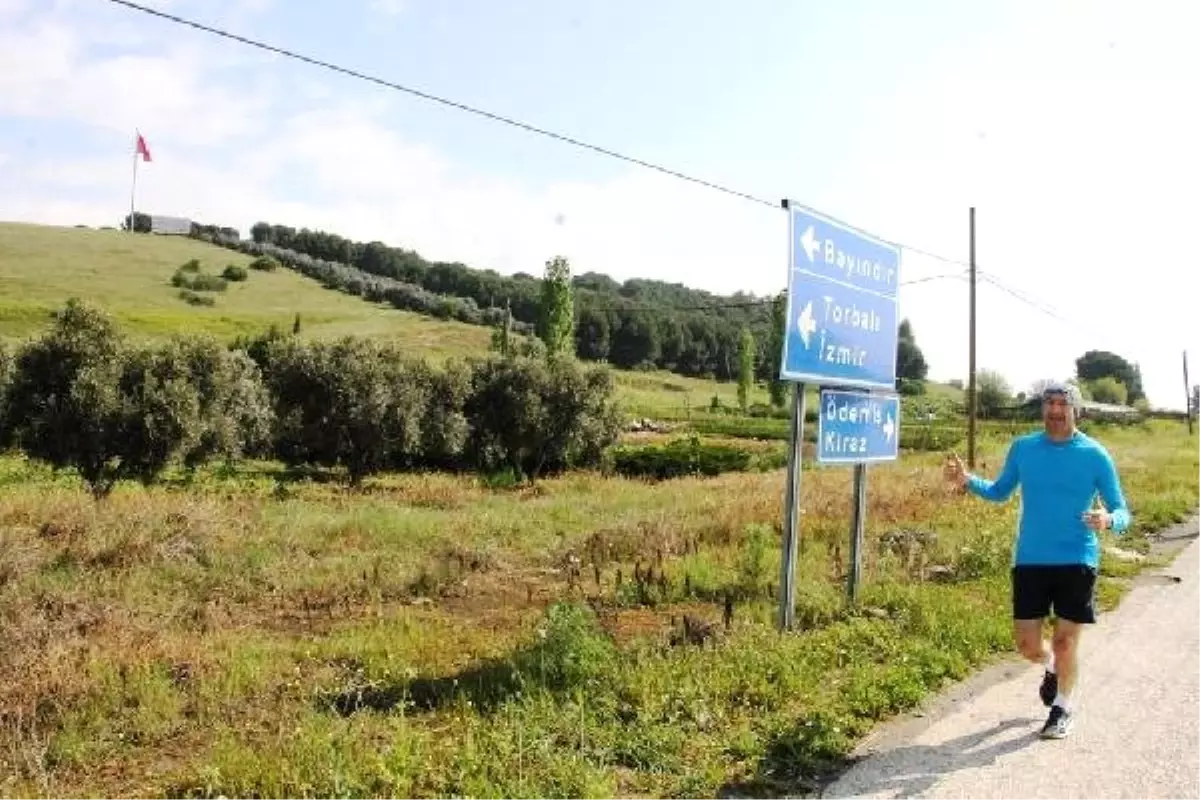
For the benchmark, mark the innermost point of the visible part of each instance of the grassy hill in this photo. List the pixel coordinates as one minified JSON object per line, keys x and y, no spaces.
{"x":130,"y":276}
{"x":41,"y":266}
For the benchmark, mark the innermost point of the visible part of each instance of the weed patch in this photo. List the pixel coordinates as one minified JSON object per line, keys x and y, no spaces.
{"x":595,"y":636}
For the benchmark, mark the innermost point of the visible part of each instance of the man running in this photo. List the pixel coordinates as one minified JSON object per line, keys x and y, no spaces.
{"x":1060,"y":471}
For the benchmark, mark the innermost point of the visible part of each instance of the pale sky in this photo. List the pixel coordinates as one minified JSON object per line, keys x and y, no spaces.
{"x":1071,"y":127}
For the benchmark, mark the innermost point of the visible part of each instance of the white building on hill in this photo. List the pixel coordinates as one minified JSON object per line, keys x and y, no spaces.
{"x":170,"y":226}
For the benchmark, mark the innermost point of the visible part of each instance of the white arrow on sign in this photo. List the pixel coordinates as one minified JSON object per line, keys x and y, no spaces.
{"x":806,"y":324}
{"x":889,"y":427}
{"x":810,"y":243}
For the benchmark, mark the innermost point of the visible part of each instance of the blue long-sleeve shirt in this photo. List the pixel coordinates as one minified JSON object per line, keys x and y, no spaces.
{"x":1058,"y":482}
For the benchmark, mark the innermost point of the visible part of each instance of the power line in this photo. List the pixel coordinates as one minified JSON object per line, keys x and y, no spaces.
{"x":765,"y":301}
{"x":489,"y":115}
{"x":1049,"y":311}
{"x":962,"y":276}
{"x":1024,"y":298}
{"x":945,"y":259}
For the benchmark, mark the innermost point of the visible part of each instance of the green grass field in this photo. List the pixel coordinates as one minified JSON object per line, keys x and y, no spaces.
{"x":130,"y":276}
{"x":241,"y":637}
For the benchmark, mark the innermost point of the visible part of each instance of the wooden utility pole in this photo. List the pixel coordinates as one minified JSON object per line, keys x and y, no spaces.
{"x":971,"y":391}
{"x":1187,"y":388}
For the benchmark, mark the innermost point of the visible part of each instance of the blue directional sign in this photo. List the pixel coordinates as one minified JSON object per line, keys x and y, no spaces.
{"x":841,"y":306}
{"x":856,"y":427}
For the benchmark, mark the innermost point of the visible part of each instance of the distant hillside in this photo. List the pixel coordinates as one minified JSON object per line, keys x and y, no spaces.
{"x":638,"y":323}
{"x":131,"y":276}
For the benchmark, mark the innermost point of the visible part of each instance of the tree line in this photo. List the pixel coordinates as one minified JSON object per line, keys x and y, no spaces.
{"x":631,"y":325}
{"x":1100,"y":375}
{"x":637,"y":324}
{"x":82,"y":397}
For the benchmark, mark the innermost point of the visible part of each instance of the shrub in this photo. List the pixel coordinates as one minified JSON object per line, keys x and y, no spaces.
{"x":235,"y":274}
{"x":987,"y":552}
{"x":61,"y":411}
{"x":234,"y":413}
{"x":760,"y":411}
{"x":754,"y":561}
{"x":191,"y":280}
{"x":197,"y":299}
{"x":571,"y":649}
{"x":408,"y":386}
{"x":259,"y":347}
{"x":363,"y":406}
{"x":141,"y":223}
{"x":158,"y":411}
{"x":209,"y":283}
{"x":745,"y":427}
{"x":444,"y":429}
{"x":931,"y":437}
{"x":265,"y":264}
{"x":333,"y":402}
{"x":539,"y":418}
{"x":6,"y":374}
{"x":678,"y":458}
{"x":79,"y":399}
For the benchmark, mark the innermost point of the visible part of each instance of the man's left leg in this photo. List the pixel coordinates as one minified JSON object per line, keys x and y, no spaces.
{"x":1074,"y":608}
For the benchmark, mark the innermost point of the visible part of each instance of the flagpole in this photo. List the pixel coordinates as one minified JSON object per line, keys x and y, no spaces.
{"x":133,"y":187}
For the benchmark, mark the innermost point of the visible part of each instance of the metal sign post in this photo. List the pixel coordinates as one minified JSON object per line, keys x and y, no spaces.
{"x":857,"y":531}
{"x":857,"y":428}
{"x":791,"y":523}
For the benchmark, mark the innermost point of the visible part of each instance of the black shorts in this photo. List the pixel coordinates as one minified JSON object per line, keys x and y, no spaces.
{"x":1067,"y":588}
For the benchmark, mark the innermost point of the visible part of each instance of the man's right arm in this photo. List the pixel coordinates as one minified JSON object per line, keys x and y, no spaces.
{"x":1005,"y":484}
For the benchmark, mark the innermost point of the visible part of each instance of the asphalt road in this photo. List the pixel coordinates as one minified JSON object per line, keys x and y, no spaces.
{"x":1136,"y":733}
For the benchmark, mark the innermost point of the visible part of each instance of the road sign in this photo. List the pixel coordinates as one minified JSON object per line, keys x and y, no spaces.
{"x":857,"y":427}
{"x":841,"y":307}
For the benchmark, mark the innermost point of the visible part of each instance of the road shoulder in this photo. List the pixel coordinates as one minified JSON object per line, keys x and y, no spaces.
{"x":892,"y":736}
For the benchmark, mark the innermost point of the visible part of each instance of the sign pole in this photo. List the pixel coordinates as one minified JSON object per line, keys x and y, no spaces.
{"x":859,"y":515}
{"x":791,"y":512}
{"x":1187,"y":388}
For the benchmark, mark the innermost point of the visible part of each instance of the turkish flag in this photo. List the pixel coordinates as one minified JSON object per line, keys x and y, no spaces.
{"x":142,"y":149}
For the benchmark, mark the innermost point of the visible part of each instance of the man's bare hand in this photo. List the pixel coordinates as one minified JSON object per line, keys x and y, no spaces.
{"x":1097,"y":519}
{"x":954,"y":471}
